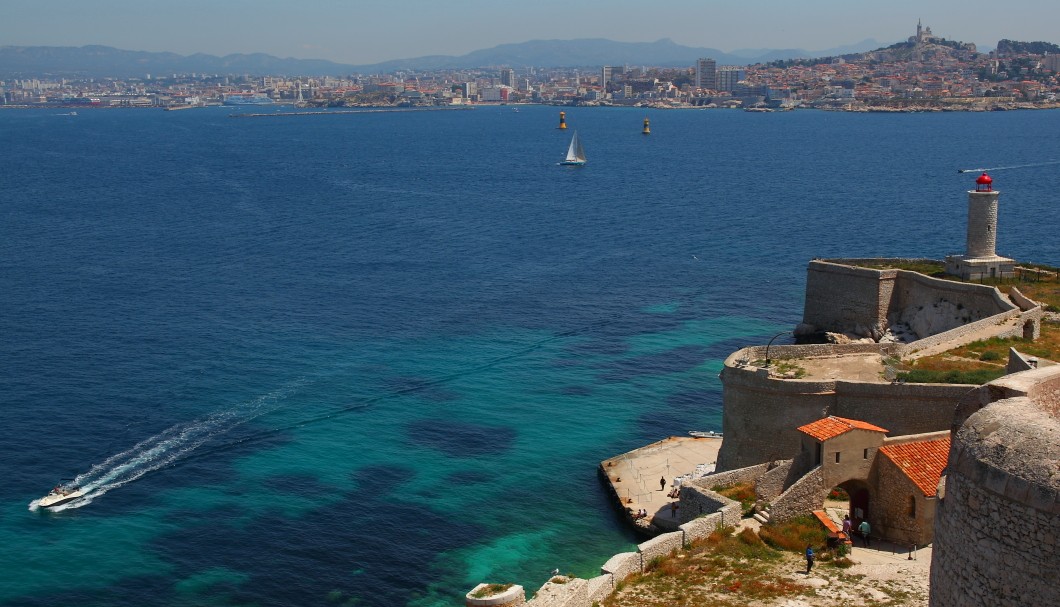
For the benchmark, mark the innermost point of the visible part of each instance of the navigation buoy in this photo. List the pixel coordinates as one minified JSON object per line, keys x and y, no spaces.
{"x":647,"y":128}
{"x":562,"y":121}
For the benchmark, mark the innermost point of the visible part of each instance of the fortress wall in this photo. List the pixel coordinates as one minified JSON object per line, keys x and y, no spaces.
{"x":840,"y":297}
{"x":697,"y":499}
{"x":995,"y":528}
{"x":899,"y":408}
{"x":979,"y":301}
{"x":761,"y":415}
{"x":964,"y":333}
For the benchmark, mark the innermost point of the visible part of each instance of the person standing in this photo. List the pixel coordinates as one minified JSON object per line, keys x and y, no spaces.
{"x":809,"y":558}
{"x":662,"y":484}
{"x":673,"y":509}
{"x":864,"y":529}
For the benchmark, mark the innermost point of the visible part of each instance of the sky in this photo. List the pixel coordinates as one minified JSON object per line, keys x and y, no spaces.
{"x":361,"y":32}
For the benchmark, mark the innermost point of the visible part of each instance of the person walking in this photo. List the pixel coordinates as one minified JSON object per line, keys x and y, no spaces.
{"x":809,"y":558}
{"x":865,"y":529}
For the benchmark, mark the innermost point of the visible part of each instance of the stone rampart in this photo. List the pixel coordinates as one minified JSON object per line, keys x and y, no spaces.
{"x":762,"y":413}
{"x":966,"y":333}
{"x":844,"y":298}
{"x":995,"y":528}
{"x":801,"y":498}
{"x":901,"y":408}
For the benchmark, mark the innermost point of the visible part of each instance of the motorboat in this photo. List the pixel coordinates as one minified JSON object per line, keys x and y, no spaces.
{"x":707,"y":434}
{"x":61,"y":494}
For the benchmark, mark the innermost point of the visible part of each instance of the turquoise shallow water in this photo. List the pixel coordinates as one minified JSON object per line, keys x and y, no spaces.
{"x":375,"y":359}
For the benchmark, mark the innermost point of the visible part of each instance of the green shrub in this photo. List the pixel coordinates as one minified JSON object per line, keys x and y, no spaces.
{"x":490,"y":590}
{"x":975,"y":377}
{"x":990,"y":355}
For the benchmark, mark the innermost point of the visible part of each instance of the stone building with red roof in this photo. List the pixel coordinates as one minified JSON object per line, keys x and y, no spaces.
{"x":892,"y":481}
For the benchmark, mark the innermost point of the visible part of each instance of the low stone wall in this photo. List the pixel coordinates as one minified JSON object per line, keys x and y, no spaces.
{"x":718,"y":511}
{"x":701,"y":527}
{"x":600,"y":587}
{"x":961,"y":335}
{"x":564,"y":592}
{"x":623,"y":565}
{"x":661,"y":546}
{"x":802,"y":497}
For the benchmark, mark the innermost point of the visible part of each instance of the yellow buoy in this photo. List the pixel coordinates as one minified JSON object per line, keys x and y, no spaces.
{"x":562,"y":120}
{"x":647,"y":128}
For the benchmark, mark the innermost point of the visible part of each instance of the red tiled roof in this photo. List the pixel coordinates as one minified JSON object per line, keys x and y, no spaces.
{"x":922,"y":462}
{"x":832,"y":426}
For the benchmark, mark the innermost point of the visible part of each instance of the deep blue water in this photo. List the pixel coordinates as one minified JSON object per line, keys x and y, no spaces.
{"x":375,"y":358}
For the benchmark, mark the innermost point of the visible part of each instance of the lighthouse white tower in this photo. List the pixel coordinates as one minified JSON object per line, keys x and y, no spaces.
{"x":980,"y":259}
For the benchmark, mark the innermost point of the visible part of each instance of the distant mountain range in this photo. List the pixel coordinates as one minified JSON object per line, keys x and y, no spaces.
{"x":103,"y":61}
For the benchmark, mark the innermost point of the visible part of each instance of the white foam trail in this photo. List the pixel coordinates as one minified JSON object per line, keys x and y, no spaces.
{"x":165,"y":448}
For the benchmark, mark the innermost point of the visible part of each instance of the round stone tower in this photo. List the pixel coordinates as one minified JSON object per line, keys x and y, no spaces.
{"x":982,"y":218}
{"x":996,"y":541}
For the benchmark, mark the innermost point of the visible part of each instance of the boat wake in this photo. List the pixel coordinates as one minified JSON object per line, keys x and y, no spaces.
{"x":165,"y":448}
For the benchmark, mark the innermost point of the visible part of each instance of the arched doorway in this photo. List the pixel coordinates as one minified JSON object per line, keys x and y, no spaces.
{"x":858,"y":500}
{"x":1029,"y":332}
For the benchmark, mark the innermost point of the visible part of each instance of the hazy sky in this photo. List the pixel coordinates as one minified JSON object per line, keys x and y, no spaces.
{"x":369,"y":31}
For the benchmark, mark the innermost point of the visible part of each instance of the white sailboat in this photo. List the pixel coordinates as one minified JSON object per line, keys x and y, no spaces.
{"x":575,"y":153}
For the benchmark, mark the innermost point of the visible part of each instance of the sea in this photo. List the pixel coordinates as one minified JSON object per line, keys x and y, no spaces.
{"x":375,"y":358}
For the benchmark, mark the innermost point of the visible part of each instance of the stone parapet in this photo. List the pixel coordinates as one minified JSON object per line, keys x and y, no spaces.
{"x":661,"y":546}
{"x":623,"y":565}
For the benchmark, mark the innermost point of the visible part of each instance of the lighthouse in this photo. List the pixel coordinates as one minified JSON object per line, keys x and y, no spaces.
{"x":980,"y":259}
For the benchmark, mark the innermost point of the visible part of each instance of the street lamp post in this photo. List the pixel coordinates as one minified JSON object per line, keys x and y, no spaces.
{"x":771,"y":343}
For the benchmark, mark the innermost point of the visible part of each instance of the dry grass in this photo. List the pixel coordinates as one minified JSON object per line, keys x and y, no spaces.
{"x":740,"y":492}
{"x":726,"y":569}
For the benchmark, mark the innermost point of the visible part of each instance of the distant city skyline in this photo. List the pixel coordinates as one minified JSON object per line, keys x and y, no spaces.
{"x":371,"y":31}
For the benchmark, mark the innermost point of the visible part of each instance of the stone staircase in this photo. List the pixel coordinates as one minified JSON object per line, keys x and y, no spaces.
{"x":762,"y":514}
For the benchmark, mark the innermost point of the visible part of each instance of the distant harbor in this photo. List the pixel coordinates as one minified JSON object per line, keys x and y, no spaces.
{"x":362,"y":111}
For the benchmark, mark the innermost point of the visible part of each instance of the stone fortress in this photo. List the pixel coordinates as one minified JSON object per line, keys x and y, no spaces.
{"x":974,"y":471}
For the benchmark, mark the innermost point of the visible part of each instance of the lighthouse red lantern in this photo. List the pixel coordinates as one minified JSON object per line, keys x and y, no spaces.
{"x":984,"y":183}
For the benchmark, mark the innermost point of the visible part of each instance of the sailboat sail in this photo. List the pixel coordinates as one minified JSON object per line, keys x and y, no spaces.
{"x":575,"y":153}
